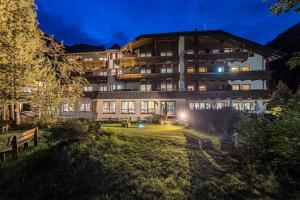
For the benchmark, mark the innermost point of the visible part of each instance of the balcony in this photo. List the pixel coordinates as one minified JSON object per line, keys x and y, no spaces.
{"x":129,"y":61}
{"x":95,"y":78}
{"x":235,"y":56}
{"x":251,"y":75}
{"x":226,"y":94}
{"x":154,"y":76}
{"x":93,"y":63}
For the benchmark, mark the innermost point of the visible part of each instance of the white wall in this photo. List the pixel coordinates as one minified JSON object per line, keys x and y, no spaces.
{"x":256,"y":63}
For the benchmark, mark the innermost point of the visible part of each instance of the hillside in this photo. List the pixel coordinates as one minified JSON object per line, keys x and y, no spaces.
{"x":157,"y":162}
{"x":288,"y":42}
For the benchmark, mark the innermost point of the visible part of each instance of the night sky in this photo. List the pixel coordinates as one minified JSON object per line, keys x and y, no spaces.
{"x":107,"y":22}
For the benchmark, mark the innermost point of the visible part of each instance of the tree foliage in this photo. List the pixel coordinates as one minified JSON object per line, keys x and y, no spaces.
{"x":284,"y":6}
{"x":274,"y":140}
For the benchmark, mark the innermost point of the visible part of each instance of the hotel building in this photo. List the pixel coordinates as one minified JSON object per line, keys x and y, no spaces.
{"x":170,"y":73}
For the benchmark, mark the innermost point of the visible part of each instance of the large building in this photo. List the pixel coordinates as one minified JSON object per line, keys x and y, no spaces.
{"x":171,"y":73}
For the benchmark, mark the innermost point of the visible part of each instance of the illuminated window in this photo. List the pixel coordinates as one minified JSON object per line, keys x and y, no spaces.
{"x":84,"y":107}
{"x":169,"y":53}
{"x":235,"y":87}
{"x":147,"y":107}
{"x":163,"y":54}
{"x":149,"y":54}
{"x":191,"y":87}
{"x":202,"y":52}
{"x":221,"y":105}
{"x":190,"y":70}
{"x":194,"y":106}
{"x":235,"y":69}
{"x":88,"y":89}
{"x":245,"y":69}
{"x":120,"y":71}
{"x":103,"y":73}
{"x":103,"y":88}
{"x":88,"y":59}
{"x":166,"y":70}
{"x":244,"y":106}
{"x":146,"y":71}
{"x":202,"y":88}
{"x":146,"y":87}
{"x":190,"y":52}
{"x":228,"y":50}
{"x":215,"y":51}
{"x":246,"y":87}
{"x":167,"y":87}
{"x":202,"y":69}
{"x":166,"y":54}
{"x":67,"y":107}
{"x":207,"y":105}
{"x":109,"y":107}
{"x":127,"y":107}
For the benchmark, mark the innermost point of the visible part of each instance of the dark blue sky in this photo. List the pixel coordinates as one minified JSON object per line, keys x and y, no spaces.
{"x":119,"y":21}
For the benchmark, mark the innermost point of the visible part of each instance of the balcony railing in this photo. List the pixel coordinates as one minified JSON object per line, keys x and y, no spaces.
{"x":251,"y":75}
{"x":219,"y":56}
{"x":93,"y":63}
{"x":146,"y":76}
{"x":135,"y":60}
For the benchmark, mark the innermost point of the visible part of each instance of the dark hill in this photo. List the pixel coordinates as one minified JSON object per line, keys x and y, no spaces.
{"x":78,"y":48}
{"x":288,"y":42}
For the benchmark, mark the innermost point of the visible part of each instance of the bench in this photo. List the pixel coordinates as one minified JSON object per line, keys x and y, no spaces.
{"x":19,"y":139}
{"x":4,"y":125}
{"x":126,"y":123}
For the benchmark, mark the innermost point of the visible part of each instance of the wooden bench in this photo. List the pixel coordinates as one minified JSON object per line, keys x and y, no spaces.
{"x":14,"y":143}
{"x":4,"y":125}
{"x":126,"y":123}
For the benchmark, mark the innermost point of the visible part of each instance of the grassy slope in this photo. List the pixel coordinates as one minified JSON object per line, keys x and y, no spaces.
{"x":157,"y":162}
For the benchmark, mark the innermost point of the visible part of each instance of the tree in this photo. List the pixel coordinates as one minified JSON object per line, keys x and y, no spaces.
{"x":284,"y":6}
{"x":19,"y":41}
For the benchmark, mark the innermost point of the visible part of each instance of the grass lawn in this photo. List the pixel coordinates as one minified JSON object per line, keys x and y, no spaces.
{"x":156,"y":162}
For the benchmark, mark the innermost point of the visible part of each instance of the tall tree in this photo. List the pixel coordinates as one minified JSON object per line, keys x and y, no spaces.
{"x":19,"y":41}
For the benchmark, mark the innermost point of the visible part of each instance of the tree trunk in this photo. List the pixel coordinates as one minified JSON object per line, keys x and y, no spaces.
{"x":11,"y":112}
{"x":4,"y":113}
{"x":17,"y":113}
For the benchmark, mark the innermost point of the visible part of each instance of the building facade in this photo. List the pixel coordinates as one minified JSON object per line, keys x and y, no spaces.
{"x":171,"y":73}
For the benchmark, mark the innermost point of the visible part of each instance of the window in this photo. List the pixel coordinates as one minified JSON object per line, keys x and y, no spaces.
{"x":146,"y":71}
{"x":246,"y":87}
{"x":191,"y":87}
{"x":148,"y":54}
{"x":103,"y":88}
{"x":190,"y":70}
{"x":166,"y":70}
{"x":127,"y":107}
{"x":168,"y":54}
{"x":167,"y":87}
{"x":190,"y":52}
{"x":207,"y":105}
{"x":113,"y":72}
{"x":245,"y":69}
{"x":235,"y":69}
{"x":221,"y":105}
{"x":67,"y":107}
{"x":102,"y":58}
{"x":244,"y":106}
{"x":228,"y":50}
{"x":168,"y":108}
{"x":202,"y":52}
{"x":84,"y":107}
{"x":215,"y":51}
{"x":235,"y":87}
{"x":109,"y":107}
{"x":195,"y":106}
{"x":120,"y":71}
{"x":146,"y":87}
{"x":88,"y":89}
{"x":116,"y":87}
{"x":103,"y":73}
{"x":88,"y":59}
{"x":202,"y":69}
{"x":147,"y":107}
{"x":202,"y":88}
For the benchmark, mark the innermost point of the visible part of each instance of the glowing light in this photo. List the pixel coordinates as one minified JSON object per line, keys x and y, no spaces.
{"x":140,"y":125}
{"x":220,"y":69}
{"x":183,"y":116}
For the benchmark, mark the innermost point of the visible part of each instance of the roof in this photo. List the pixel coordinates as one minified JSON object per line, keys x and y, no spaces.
{"x":114,"y":47}
{"x":219,"y":34}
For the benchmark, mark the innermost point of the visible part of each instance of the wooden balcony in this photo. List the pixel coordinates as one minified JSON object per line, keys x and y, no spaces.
{"x":251,"y":75}
{"x":129,"y":61}
{"x":93,"y":63}
{"x":154,"y":76}
{"x":92,"y":78}
{"x":236,"y":56}
{"x":226,"y":94}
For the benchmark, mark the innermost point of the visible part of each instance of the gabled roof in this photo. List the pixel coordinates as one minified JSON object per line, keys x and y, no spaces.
{"x":218,"y":34}
{"x":114,"y":47}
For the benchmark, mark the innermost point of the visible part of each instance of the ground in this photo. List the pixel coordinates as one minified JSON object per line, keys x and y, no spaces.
{"x":155,"y":162}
